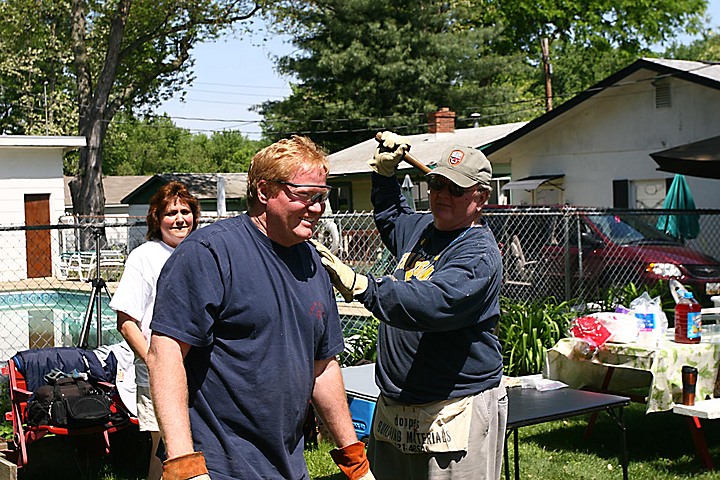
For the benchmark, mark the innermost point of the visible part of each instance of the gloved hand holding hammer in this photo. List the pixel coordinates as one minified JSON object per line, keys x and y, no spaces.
{"x":389,"y":153}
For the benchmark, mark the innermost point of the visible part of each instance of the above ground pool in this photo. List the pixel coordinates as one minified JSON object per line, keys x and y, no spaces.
{"x":51,"y":318}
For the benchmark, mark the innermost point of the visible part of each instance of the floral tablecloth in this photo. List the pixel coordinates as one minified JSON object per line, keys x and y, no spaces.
{"x":638,"y":366}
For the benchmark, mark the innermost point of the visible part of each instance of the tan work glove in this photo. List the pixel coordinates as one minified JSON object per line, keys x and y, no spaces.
{"x":185,"y":467}
{"x":352,"y":461}
{"x":389,"y":152}
{"x":344,"y":278}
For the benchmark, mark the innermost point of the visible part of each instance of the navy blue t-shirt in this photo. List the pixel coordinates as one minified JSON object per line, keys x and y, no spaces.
{"x":257,"y":316}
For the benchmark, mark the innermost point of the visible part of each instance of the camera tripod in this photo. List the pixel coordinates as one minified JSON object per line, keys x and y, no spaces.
{"x":95,"y":300}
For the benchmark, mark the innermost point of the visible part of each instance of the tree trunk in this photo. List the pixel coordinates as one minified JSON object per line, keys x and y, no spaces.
{"x":86,"y":189}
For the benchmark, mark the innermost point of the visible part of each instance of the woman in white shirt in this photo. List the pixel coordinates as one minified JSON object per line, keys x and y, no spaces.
{"x":172,"y":216}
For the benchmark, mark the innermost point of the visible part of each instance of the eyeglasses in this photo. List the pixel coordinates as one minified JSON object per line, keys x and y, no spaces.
{"x":307,"y":198}
{"x":438,"y":185}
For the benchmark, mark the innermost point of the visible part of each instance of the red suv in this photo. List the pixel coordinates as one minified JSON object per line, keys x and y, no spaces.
{"x":595,"y":248}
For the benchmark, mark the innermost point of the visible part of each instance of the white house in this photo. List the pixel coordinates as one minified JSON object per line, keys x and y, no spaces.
{"x":31,"y":193}
{"x":594,"y":150}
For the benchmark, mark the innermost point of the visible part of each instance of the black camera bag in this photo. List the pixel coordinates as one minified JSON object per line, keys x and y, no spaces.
{"x":77,"y":403}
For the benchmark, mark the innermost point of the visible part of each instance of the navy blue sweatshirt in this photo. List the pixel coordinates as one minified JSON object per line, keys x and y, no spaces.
{"x":439,"y":307}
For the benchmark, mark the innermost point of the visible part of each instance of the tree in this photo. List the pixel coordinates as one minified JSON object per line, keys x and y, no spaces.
{"x":35,"y":92}
{"x":119,"y":54}
{"x":591,"y":39}
{"x":365,"y":65}
{"x":144,"y":146}
{"x":154,"y":144}
{"x":133,"y":53}
{"x":704,"y":49}
{"x":577,"y":66}
{"x":629,"y":25}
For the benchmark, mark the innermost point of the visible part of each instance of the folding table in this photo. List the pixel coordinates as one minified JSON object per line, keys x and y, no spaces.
{"x":526,"y":407}
{"x":530,"y":407}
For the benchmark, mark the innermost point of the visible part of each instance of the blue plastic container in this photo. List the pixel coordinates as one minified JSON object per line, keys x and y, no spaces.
{"x":361,"y":411}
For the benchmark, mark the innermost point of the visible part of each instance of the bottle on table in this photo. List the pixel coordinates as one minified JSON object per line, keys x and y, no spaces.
{"x":688,"y":323}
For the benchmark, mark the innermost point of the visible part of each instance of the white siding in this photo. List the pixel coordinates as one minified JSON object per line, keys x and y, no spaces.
{"x":610,"y":137}
{"x":27,"y":169}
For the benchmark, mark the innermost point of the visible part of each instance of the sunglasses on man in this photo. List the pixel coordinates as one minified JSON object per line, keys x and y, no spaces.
{"x":438,"y":184}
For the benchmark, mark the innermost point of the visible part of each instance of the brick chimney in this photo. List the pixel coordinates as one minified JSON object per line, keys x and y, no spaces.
{"x":442,"y":121}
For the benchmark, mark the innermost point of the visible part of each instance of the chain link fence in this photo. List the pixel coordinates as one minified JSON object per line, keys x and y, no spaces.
{"x":580,"y":254}
{"x":53,"y":294}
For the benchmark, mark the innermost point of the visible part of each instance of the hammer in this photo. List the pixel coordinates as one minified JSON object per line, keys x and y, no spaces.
{"x":408,"y":157}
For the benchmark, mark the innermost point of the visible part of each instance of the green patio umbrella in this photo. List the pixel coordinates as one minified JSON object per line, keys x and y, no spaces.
{"x":682,"y":226}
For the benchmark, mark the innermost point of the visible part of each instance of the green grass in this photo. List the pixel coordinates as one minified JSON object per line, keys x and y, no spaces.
{"x":320,"y":464}
{"x":660,"y":448}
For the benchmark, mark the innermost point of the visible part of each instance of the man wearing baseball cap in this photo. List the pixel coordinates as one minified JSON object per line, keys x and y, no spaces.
{"x":443,"y":408}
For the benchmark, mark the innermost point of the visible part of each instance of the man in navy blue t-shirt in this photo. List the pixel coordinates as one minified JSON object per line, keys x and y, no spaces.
{"x":245,"y":333}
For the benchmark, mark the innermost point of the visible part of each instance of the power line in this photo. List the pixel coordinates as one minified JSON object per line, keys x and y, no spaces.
{"x":242,"y":86}
{"x":380,"y":119}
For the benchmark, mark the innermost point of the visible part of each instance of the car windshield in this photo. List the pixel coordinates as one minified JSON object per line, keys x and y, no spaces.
{"x":628,"y":229}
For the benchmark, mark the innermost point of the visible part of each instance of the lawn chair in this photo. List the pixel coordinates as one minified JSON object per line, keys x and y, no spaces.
{"x":518,"y":270}
{"x":26,"y":372}
{"x":76,"y":265}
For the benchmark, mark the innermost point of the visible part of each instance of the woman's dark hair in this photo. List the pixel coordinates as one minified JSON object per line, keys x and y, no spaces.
{"x":166,"y":195}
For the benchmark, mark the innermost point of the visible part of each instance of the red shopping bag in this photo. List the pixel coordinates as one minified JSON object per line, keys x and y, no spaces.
{"x":591,"y":330}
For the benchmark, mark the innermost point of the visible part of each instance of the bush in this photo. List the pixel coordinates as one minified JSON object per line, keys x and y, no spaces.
{"x":6,"y":428}
{"x":361,"y":344}
{"x":527,"y":328}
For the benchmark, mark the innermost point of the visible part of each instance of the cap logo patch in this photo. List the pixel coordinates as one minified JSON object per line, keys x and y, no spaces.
{"x":456,"y":157}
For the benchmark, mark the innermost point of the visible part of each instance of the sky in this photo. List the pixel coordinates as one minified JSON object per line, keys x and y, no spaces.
{"x":233,"y":74}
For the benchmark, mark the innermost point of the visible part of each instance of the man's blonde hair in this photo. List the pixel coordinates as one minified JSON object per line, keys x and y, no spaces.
{"x":281,"y":160}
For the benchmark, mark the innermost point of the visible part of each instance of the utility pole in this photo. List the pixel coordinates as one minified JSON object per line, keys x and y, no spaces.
{"x":47,"y":126}
{"x":547,"y":70}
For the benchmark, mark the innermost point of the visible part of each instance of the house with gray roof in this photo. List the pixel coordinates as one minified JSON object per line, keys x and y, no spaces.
{"x":350,"y":173}
{"x":219,"y":194}
{"x":116,"y":187}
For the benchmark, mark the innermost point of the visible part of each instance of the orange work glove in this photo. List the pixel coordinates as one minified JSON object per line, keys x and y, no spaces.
{"x":352,"y":461}
{"x":185,"y":467}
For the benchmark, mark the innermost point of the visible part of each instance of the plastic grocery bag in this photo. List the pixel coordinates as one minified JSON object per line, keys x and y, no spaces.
{"x":654,"y":322}
{"x":624,"y":327}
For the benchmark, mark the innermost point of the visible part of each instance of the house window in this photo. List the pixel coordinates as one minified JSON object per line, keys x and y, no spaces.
{"x":662,"y":93}
{"x":421,"y":196}
{"x":648,"y":193}
{"x":341,"y":197}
